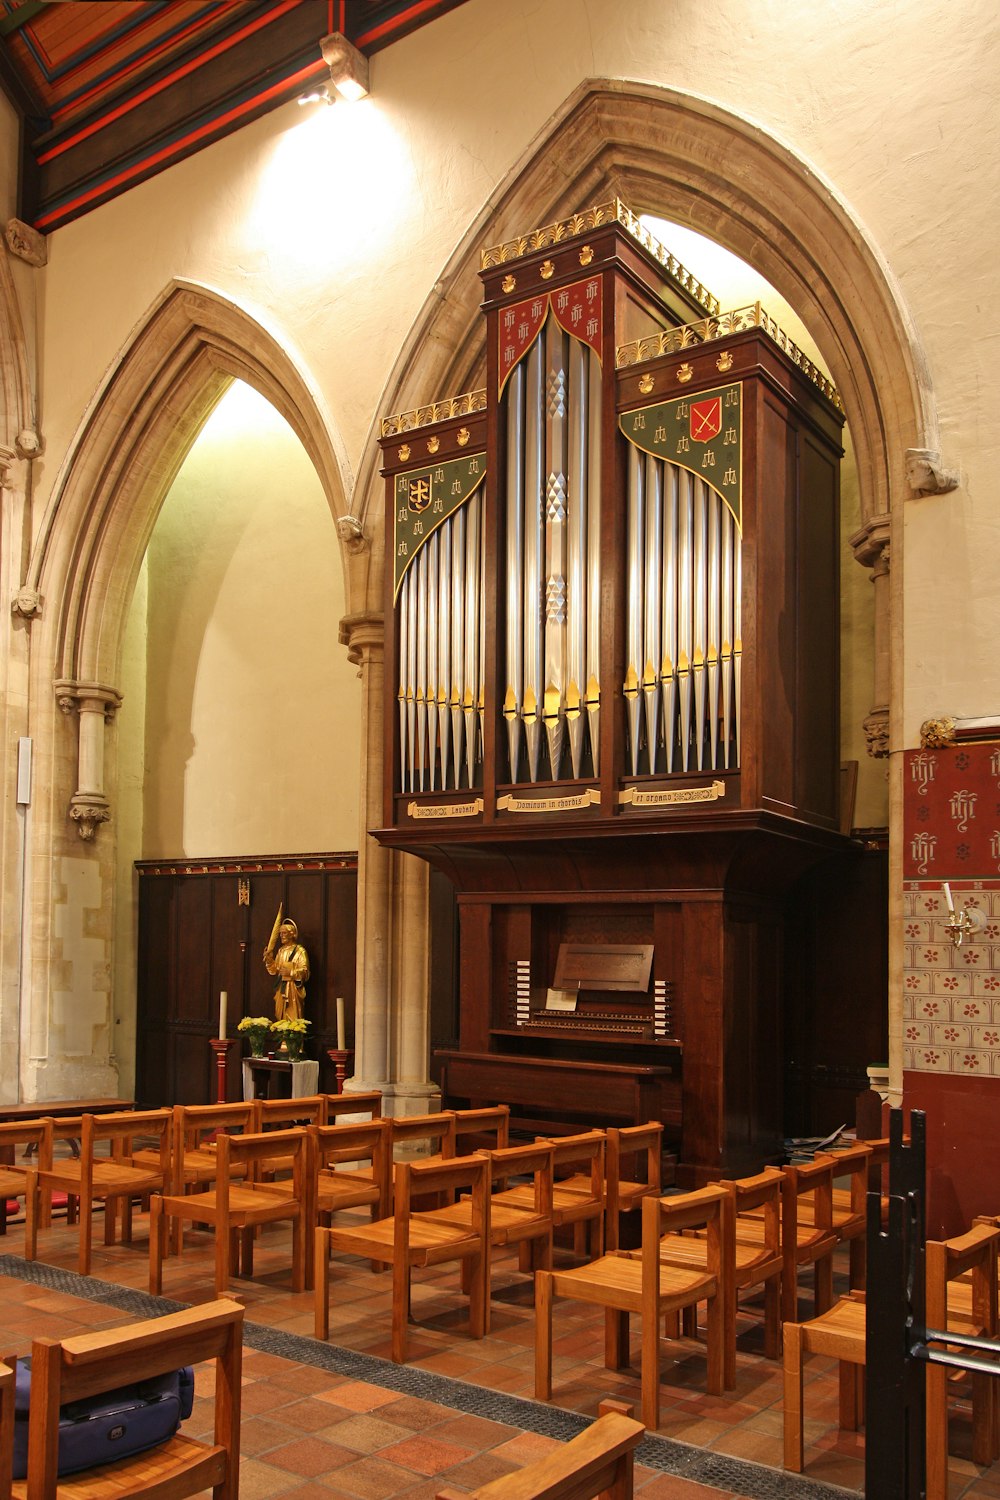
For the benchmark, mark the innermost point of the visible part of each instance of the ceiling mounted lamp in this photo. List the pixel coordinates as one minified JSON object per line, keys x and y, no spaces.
{"x":348,"y":67}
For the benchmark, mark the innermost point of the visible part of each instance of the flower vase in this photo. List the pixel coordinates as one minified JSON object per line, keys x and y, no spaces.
{"x":258,"y":1045}
{"x":295,"y":1048}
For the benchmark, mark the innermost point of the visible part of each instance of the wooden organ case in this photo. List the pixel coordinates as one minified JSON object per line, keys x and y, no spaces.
{"x":612,"y":704}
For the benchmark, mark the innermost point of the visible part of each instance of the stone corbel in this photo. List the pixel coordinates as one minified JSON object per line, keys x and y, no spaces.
{"x":926,"y":475}
{"x":95,"y":706}
{"x":26,"y":604}
{"x":26,"y":243}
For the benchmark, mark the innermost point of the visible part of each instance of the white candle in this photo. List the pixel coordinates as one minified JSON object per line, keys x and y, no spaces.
{"x":341,"y":1028}
{"x":223,"y":1002}
{"x":947,"y":896}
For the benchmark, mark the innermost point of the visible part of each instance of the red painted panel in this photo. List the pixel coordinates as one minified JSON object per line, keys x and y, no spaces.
{"x":963,"y":1147}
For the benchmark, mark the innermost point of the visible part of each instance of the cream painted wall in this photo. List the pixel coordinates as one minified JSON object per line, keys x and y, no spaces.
{"x":251,"y":709}
{"x":331,"y":227}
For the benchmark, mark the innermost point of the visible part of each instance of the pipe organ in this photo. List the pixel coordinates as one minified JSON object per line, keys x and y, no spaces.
{"x":611,"y":718}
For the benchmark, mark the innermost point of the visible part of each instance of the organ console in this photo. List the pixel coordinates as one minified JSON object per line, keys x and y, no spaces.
{"x":612,"y":707}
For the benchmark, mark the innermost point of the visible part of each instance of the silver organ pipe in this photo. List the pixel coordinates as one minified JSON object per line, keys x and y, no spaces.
{"x":699,"y":620}
{"x":668,"y":667}
{"x":513,"y":703}
{"x":534,"y":438}
{"x":444,"y":652}
{"x":593,"y":495}
{"x":634,"y":581}
{"x":433,"y":571}
{"x":685,"y":552}
{"x":653,"y":571}
{"x":411,"y":678}
{"x":404,"y":658}
{"x":457,"y":642}
{"x":552,"y":593}
{"x":727,"y":633}
{"x":556,"y":381}
{"x":470,"y":688}
{"x":576,"y":556}
{"x":420,"y":693}
{"x":682,"y":593}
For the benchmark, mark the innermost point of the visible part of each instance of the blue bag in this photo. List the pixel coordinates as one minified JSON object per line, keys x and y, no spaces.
{"x":109,"y":1426}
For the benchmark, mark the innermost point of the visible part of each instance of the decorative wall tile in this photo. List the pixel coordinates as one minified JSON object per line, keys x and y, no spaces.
{"x":951,"y":826}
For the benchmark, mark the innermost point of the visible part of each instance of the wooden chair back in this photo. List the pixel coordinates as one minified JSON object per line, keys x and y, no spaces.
{"x":437,"y":1130}
{"x":14,"y":1183}
{"x":482,"y":1129}
{"x":598,"y":1461}
{"x":807,"y":1233}
{"x":195,"y":1130}
{"x":367,"y":1103}
{"x":342,"y":1180}
{"x":278,"y":1114}
{"x":90,"y":1363}
{"x":632,"y":1169}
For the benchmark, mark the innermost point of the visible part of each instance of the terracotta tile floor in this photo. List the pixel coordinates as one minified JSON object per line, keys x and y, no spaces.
{"x":340,"y":1419}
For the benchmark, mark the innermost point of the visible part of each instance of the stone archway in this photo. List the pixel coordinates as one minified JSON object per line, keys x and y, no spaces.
{"x":689,"y":160}
{"x":86,"y":559}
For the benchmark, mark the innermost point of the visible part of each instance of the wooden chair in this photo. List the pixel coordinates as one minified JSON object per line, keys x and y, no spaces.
{"x":839,"y":1332}
{"x":89,"y":1363}
{"x":108,"y":1179}
{"x":528,"y":1226}
{"x":849,"y":1203}
{"x":234,"y":1208}
{"x":342,"y":1181}
{"x":635,"y":1149}
{"x":960,"y":1277}
{"x":598,"y":1461}
{"x":194,"y":1158}
{"x":746,"y":1265}
{"x":578,"y":1195}
{"x":13,"y":1176}
{"x":807,"y":1233}
{"x":425,"y":1138}
{"x":630,"y":1281}
{"x":414,"y":1239}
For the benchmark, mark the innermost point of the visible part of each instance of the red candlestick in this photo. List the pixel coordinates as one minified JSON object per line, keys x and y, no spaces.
{"x":221,"y":1046}
{"x":339,"y":1056}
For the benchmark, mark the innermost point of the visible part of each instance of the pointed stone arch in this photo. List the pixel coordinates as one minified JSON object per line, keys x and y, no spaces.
{"x":140,"y":428}
{"x":688,"y":159}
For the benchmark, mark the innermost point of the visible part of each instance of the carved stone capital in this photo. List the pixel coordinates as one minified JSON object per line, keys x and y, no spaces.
{"x":870,"y":545}
{"x":926,"y":475}
{"x":876,"y":728}
{"x":363,"y":635}
{"x":8,"y":458}
{"x":27,"y":604}
{"x":26,"y":243}
{"x":352,"y":534}
{"x":88,"y":697}
{"x":87,"y":811}
{"x":937,"y":734}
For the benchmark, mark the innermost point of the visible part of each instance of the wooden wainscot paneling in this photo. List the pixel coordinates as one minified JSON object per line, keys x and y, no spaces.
{"x":203,"y":928}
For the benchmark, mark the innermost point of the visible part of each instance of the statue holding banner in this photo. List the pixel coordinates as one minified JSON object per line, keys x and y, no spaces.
{"x":287,"y":960}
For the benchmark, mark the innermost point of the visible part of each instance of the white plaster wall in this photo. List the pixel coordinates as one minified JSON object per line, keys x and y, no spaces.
{"x":331,"y":227}
{"x":251,"y":708}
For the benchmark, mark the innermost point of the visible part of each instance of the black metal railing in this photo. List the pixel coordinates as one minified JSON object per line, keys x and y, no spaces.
{"x":898,"y":1342}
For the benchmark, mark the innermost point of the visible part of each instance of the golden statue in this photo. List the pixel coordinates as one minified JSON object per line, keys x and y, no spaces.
{"x":286,"y":958}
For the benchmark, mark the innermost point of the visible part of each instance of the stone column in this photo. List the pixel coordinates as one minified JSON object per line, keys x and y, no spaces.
{"x":871,"y":548}
{"x":415,"y":1094}
{"x":96,"y":705}
{"x":365,"y":640}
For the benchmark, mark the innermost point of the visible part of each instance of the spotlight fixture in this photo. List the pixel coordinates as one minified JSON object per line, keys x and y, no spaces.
{"x":319,"y":95}
{"x":348,"y":67}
